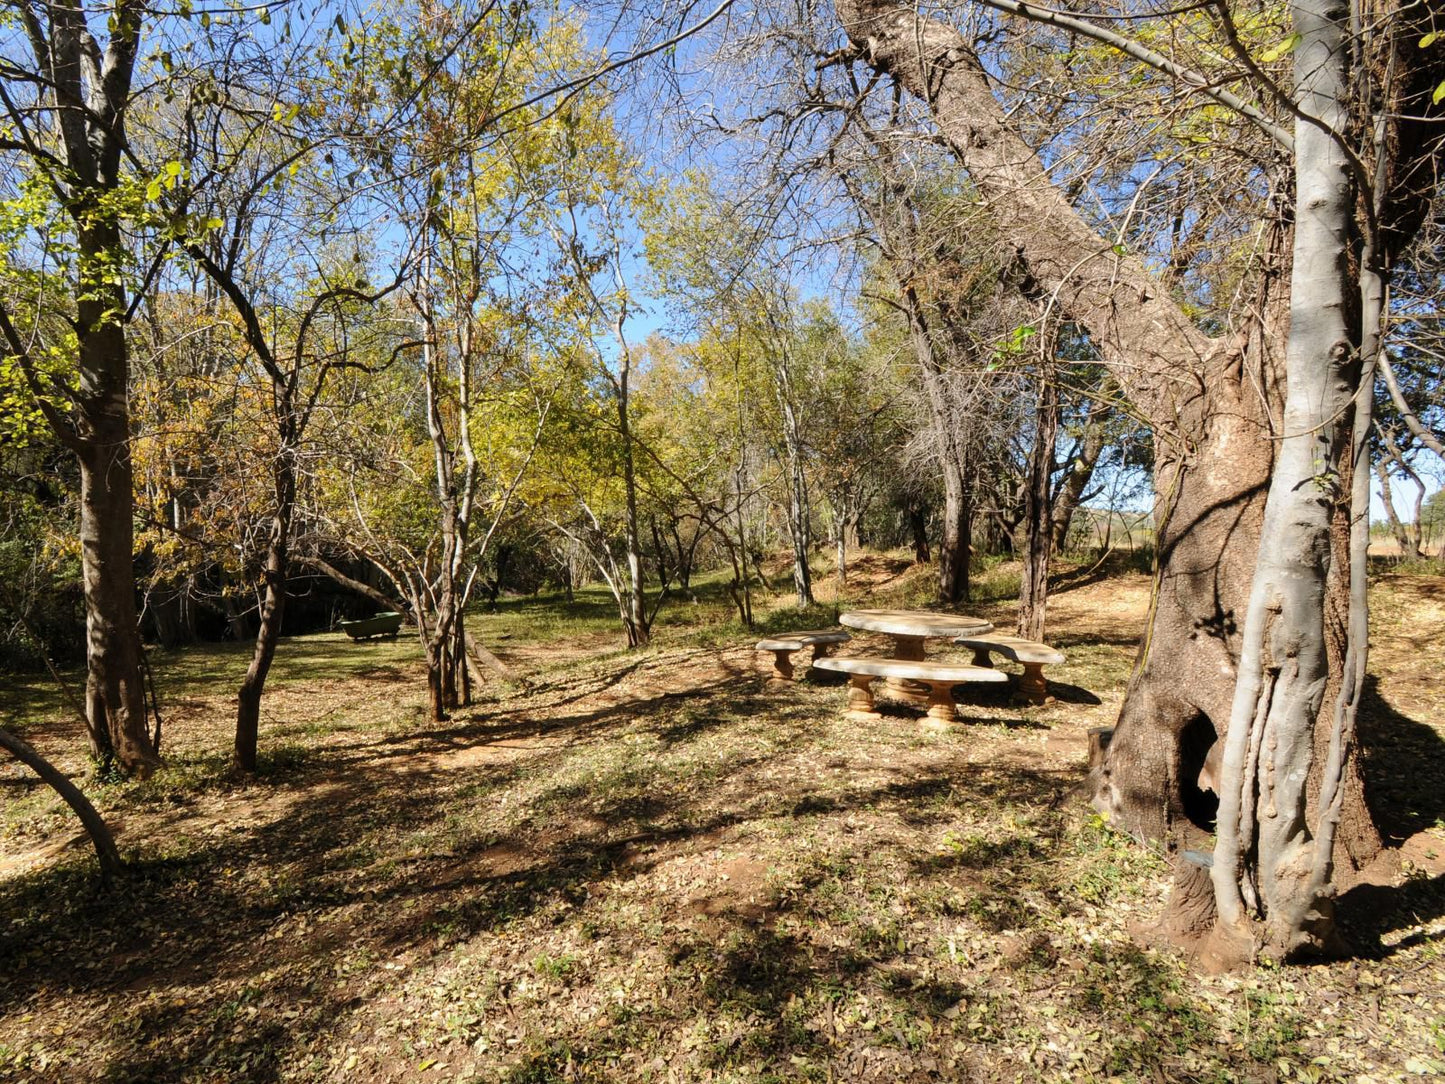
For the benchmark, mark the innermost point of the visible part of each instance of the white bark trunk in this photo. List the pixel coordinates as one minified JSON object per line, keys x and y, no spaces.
{"x":1283,"y":664}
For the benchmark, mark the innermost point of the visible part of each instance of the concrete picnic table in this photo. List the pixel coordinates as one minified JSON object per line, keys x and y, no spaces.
{"x":909,"y":629}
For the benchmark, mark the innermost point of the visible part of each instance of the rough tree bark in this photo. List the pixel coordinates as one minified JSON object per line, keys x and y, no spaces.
{"x":1202,"y":397}
{"x":918,"y":528}
{"x":114,"y":689}
{"x":80,"y":152}
{"x":448,"y":685}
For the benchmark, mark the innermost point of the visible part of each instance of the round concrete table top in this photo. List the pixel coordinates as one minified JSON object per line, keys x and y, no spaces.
{"x":914,"y":623}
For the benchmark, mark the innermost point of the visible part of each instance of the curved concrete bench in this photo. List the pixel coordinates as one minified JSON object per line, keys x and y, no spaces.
{"x":1032,"y":655}
{"x":782,"y":646}
{"x":940,"y":677}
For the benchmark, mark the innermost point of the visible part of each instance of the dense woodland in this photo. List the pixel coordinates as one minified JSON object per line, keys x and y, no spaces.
{"x":311,"y":311}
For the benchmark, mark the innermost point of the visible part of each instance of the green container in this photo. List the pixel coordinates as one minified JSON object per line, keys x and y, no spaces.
{"x":382,"y":624}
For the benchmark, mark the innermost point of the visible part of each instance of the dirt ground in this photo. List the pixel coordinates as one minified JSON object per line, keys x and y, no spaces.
{"x":652,"y":866}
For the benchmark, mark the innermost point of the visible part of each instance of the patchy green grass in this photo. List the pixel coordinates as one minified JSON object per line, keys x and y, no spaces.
{"x":648,"y":867}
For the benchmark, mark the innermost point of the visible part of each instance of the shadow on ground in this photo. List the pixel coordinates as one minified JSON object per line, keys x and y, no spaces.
{"x":268,"y":911}
{"x":1403,"y":802}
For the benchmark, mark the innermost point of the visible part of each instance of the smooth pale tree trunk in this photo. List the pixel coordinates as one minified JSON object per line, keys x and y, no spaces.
{"x":1038,"y":513}
{"x":1207,"y":401}
{"x":639,"y":631}
{"x":1265,"y":848}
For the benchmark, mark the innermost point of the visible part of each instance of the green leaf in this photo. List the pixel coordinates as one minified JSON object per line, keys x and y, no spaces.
{"x":1279,"y":49}
{"x":153,"y":189}
{"x":1429,"y":39}
{"x":1439,"y":93}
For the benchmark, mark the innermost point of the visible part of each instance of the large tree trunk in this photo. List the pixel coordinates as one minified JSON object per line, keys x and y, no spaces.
{"x":1284,"y":665}
{"x":114,"y":688}
{"x":1207,"y":401}
{"x":76,"y":140}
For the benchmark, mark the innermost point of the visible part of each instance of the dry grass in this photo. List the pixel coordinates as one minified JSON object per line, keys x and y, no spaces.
{"x":648,"y":867}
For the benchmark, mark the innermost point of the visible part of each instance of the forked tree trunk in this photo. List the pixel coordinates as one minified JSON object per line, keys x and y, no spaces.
{"x":1076,"y":478}
{"x":1387,"y":498}
{"x":1207,"y":401}
{"x":273,"y":610}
